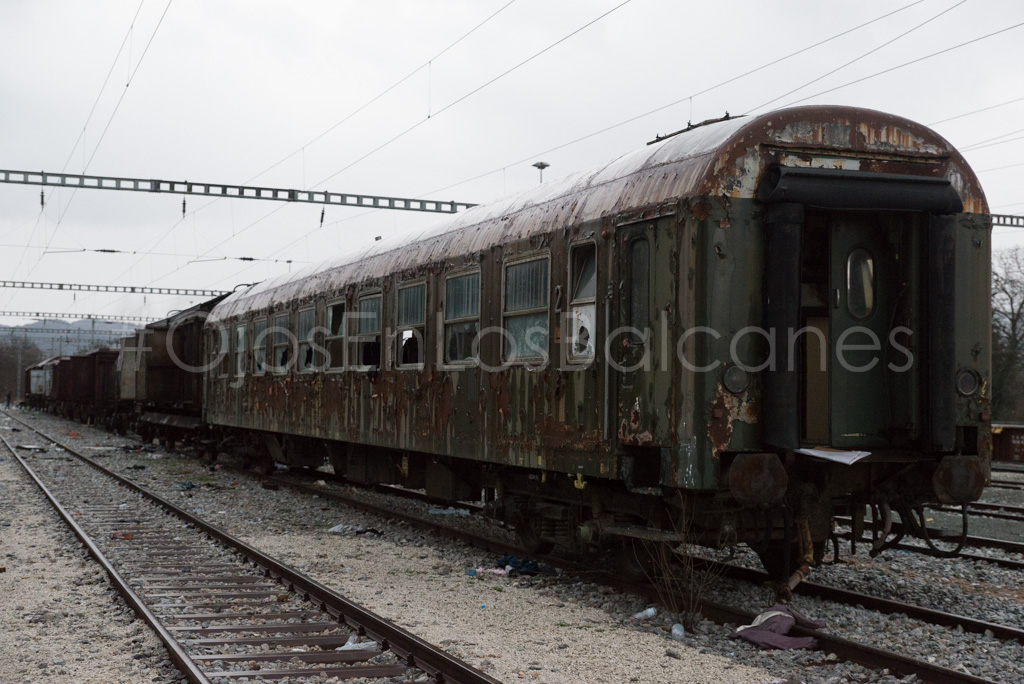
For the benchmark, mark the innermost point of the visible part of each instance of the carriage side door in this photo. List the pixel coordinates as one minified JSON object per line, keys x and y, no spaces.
{"x":864,"y":283}
{"x":639,"y":346}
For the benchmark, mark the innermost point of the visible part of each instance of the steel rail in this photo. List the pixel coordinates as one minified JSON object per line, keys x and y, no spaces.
{"x":972,"y":541}
{"x":988,"y":510}
{"x":185,"y":664}
{"x":414,"y":651}
{"x":862,"y":654}
{"x":876,"y":603}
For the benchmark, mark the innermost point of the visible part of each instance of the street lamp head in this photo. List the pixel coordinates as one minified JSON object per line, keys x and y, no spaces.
{"x":541,"y":166}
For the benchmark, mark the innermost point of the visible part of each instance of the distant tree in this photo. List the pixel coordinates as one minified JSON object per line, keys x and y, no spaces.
{"x":1008,"y":336}
{"x":16,"y":354}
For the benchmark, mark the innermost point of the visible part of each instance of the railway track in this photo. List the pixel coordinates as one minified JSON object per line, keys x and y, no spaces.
{"x":993,"y":510}
{"x":1007,"y":484}
{"x":860,"y":653}
{"x":970,"y":541}
{"x":863,"y":654}
{"x":224,"y":610}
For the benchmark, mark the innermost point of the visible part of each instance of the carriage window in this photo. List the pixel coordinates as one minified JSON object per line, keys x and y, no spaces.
{"x":240,"y":350}
{"x":282,"y":344}
{"x":368,"y":329}
{"x":259,"y":346}
{"x":526,"y":309}
{"x":639,"y":294}
{"x":412,"y":314}
{"x":214,"y":350}
{"x":582,"y":300}
{"x":461,"y":317}
{"x":307,"y":319}
{"x":335,"y":337}
{"x":860,"y":283}
{"x":223,"y":351}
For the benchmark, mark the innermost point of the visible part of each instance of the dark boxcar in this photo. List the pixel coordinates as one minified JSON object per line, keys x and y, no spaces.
{"x":62,"y":389}
{"x":161,"y":374}
{"x":731,"y":334}
{"x":89,"y":389}
{"x":1008,"y":443}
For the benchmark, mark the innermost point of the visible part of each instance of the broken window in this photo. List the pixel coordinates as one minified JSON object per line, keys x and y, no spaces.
{"x":526,"y":310}
{"x":368,"y":330}
{"x":259,"y":346}
{"x":240,"y":350}
{"x":307,"y":320}
{"x":582,"y":300}
{"x":412,"y":315}
{"x":282,"y":344}
{"x":461,"y":317}
{"x":335,"y":336}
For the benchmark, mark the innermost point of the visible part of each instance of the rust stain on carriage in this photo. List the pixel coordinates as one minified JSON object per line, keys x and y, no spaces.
{"x":630,"y":431}
{"x":720,"y":424}
{"x":726,"y":410}
{"x":556,"y":435}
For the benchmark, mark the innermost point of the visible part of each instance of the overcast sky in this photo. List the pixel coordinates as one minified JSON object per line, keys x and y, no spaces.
{"x":245,"y":92}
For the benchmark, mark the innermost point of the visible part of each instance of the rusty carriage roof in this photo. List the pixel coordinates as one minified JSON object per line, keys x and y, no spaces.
{"x":726,"y":158}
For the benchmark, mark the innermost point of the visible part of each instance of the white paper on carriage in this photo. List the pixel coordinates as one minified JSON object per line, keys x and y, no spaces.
{"x":837,"y":455}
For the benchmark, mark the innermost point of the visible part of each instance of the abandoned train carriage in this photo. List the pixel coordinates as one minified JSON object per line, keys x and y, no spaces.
{"x":646,"y":346}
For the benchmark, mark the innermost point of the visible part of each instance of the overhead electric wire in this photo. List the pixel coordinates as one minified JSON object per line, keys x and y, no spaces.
{"x":88,"y":118}
{"x":474,"y":91}
{"x":988,"y":140}
{"x":673,"y":103}
{"x":989,"y":143}
{"x":858,"y":58}
{"x":621,"y":123}
{"x":1000,"y":168}
{"x":747,"y":73}
{"x":103,"y":87}
{"x":423,"y":121}
{"x":906,"y":64}
{"x":384,"y":92}
{"x":324,"y":133}
{"x":78,"y":250}
{"x":976,"y":111}
{"x":110,"y":120}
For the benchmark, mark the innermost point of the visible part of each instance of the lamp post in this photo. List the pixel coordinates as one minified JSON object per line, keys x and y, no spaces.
{"x":541,"y":166}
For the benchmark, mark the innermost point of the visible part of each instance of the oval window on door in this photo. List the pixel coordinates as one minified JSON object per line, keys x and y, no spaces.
{"x":860,"y":283}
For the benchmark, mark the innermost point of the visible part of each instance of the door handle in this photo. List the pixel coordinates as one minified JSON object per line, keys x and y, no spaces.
{"x":837,"y":297}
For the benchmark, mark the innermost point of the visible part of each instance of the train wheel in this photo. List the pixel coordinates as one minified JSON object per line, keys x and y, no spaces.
{"x":637,"y":560}
{"x":528,"y":531}
{"x":264,"y":464}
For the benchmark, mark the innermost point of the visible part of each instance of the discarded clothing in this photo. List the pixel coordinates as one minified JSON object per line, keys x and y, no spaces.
{"x":770,"y":629}
{"x":523,"y":566}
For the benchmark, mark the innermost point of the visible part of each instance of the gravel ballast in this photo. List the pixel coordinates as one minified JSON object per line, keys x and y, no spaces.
{"x":62,"y":621}
{"x":557,"y":629}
